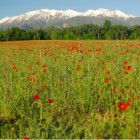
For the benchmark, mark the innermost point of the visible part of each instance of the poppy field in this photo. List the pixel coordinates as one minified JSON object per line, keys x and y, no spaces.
{"x":70,"y":90}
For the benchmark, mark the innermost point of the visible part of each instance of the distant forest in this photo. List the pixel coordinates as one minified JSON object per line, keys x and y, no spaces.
{"x":83,"y":32}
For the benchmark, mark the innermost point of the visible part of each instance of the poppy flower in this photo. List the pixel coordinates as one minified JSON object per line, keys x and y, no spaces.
{"x":78,"y":68}
{"x":103,"y":62}
{"x":125,"y":63}
{"x":126,"y":72}
{"x":107,"y":80}
{"x":123,"y":106}
{"x":114,"y":88}
{"x":129,"y":67}
{"x":14,"y":67}
{"x":108,"y":72}
{"x":33,"y":78}
{"x":51,"y":54}
{"x":38,"y":63}
{"x":60,"y":84}
{"x":26,"y":138}
{"x":50,"y":101}
{"x":44,"y":71}
{"x":44,"y":66}
{"x":30,"y":67}
{"x":36,"y":97}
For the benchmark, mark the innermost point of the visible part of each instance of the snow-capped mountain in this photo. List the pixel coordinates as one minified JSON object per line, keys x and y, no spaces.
{"x":107,"y":13}
{"x":46,"y":17}
{"x":44,"y":14}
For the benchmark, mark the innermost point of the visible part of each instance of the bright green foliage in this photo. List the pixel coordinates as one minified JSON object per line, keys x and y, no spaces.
{"x":83,"y":32}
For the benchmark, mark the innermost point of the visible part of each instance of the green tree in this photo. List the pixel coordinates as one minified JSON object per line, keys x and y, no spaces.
{"x":107,"y":25}
{"x":14,"y":33}
{"x":2,"y":35}
{"x":135,"y":34}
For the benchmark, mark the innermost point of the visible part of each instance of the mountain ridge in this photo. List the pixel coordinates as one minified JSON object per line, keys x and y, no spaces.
{"x":45,"y":17}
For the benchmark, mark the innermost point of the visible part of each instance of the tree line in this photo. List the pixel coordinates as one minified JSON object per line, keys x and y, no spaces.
{"x":83,"y":32}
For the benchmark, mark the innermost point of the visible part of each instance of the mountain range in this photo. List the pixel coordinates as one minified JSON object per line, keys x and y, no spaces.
{"x":62,"y":19}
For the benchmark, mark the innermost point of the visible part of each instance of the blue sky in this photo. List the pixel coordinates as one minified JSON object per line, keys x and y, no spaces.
{"x":16,"y":7}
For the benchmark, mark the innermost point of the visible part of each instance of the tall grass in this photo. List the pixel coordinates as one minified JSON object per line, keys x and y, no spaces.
{"x":74,"y":98}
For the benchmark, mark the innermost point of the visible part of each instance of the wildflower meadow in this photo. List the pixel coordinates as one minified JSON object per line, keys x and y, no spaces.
{"x":70,"y":90}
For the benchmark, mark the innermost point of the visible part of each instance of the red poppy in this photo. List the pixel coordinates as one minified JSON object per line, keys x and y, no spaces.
{"x":36,"y":97}
{"x":50,"y":101}
{"x":14,"y":67}
{"x":33,"y":78}
{"x":123,"y":106}
{"x":26,"y":138}
{"x":114,"y":88}
{"x":44,"y":71}
{"x":108,"y":72}
{"x":51,"y":54}
{"x":107,"y":80}
{"x":60,"y":84}
{"x":103,"y":62}
{"x":126,"y":72}
{"x":129,"y":67}
{"x":78,"y":68}
{"x":30,"y":67}
{"x":125,"y":63}
{"x":44,"y":66}
{"x":38,"y":63}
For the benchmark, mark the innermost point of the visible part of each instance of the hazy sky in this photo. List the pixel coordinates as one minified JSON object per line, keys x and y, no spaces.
{"x":16,"y":7}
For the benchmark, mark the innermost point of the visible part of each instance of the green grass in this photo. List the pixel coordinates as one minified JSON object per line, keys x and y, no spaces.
{"x":85,"y":106}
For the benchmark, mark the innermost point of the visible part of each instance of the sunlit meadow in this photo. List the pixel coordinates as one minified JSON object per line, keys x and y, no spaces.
{"x":70,"y":89}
